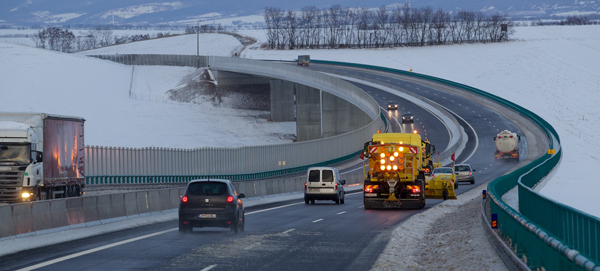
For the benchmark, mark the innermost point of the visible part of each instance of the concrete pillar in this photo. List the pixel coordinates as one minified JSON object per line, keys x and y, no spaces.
{"x":336,"y":115}
{"x":282,"y":100}
{"x":308,"y":116}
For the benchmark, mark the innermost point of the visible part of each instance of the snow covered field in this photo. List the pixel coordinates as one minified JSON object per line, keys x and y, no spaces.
{"x":552,"y":70}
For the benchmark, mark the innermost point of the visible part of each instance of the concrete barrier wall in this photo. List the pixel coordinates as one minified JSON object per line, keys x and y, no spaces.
{"x":43,"y":216}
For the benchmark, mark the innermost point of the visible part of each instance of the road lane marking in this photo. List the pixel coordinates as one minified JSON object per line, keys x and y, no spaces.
{"x":282,"y":206}
{"x":341,"y":212}
{"x":288,"y":231}
{"x":44,"y":264}
{"x":209,"y":267}
{"x":317,"y":220}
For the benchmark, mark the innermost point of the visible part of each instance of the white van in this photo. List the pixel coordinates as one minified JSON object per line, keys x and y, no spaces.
{"x":323,"y":183}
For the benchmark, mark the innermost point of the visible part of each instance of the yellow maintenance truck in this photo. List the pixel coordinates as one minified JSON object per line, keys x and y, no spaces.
{"x":394,"y":171}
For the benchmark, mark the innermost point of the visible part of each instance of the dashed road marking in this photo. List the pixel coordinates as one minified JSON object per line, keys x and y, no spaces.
{"x":341,"y":212}
{"x":320,"y":219}
{"x":290,"y":230}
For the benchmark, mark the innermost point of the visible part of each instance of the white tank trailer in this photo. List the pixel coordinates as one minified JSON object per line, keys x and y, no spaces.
{"x":507,"y":145}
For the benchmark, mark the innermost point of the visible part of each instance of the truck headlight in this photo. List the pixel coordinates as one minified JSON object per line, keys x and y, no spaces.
{"x":26,"y":195}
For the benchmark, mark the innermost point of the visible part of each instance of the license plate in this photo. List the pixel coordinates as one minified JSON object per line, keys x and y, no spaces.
{"x":370,"y":194}
{"x":207,"y":216}
{"x":391,"y":204}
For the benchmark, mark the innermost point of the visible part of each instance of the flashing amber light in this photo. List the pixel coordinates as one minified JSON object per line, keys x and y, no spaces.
{"x":389,"y":167}
{"x":184,"y":199}
{"x":415,"y":131}
{"x":391,"y":158}
{"x":400,"y":168}
{"x":401,"y":149}
{"x":379,"y":131}
{"x":229,"y":199}
{"x":395,"y":167}
{"x":401,"y":155}
{"x":382,"y":161}
{"x":382,"y":167}
{"x":382,"y":155}
{"x":401,"y":161}
{"x":396,"y":154}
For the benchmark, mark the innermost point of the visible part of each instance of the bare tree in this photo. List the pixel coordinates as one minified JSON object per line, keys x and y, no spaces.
{"x":291,"y":27}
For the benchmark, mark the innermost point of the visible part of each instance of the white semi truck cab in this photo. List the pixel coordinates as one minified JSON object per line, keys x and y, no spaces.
{"x":41,"y":156}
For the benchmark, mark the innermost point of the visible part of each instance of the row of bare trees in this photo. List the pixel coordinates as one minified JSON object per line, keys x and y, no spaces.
{"x":57,"y":39}
{"x":402,"y":25}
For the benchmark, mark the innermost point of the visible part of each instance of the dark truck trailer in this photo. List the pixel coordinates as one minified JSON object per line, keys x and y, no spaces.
{"x":41,"y":156}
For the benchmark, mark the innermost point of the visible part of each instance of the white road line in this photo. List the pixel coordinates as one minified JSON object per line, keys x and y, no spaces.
{"x":317,"y":220}
{"x":341,"y":212}
{"x":209,"y":267}
{"x":290,"y":230}
{"x":282,"y":206}
{"x":44,"y":264}
{"x":361,"y":207}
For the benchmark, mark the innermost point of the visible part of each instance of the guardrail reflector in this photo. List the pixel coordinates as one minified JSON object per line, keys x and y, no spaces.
{"x":551,"y":151}
{"x":494,"y":221}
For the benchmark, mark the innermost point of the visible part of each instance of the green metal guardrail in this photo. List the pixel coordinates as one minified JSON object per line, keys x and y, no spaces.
{"x":536,"y":245}
{"x":142,"y":179}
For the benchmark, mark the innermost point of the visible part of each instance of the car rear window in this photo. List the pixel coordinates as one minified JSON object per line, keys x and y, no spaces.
{"x":314,"y":176}
{"x":462,"y":168}
{"x":207,"y":188}
{"x":328,"y":176}
{"x":442,"y":170}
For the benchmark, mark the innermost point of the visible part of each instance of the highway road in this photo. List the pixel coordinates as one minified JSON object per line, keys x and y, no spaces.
{"x":289,"y":235}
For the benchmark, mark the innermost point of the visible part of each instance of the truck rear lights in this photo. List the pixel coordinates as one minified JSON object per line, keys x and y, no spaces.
{"x":395,"y":167}
{"x":416,"y":190}
{"x":382,"y":167}
{"x":229,"y":199}
{"x":389,"y":167}
{"x":369,"y":190}
{"x":184,"y":199}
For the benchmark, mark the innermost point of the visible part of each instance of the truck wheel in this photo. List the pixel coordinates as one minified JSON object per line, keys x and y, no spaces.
{"x":312,"y":201}
{"x":445,"y":194}
{"x":306,"y":201}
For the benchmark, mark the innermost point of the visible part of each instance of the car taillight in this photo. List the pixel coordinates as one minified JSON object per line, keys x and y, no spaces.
{"x":432,"y":175}
{"x":229,"y":199}
{"x":184,"y":199}
{"x":336,"y":186}
{"x":305,"y":185}
{"x":470,"y":173}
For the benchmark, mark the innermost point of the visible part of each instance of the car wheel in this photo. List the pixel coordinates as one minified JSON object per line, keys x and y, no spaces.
{"x":312,"y":201}
{"x":342,"y":201}
{"x":473,"y":181}
{"x":183,"y":228}
{"x":235,"y":226}
{"x":337,"y":200}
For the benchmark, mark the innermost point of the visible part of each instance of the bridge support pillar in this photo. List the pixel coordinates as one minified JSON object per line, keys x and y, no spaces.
{"x":308,"y":108}
{"x":282,"y":100}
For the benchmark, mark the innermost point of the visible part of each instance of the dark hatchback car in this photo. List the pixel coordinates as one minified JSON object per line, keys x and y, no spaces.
{"x":408,"y":117}
{"x":392,"y":105}
{"x":211,"y":203}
